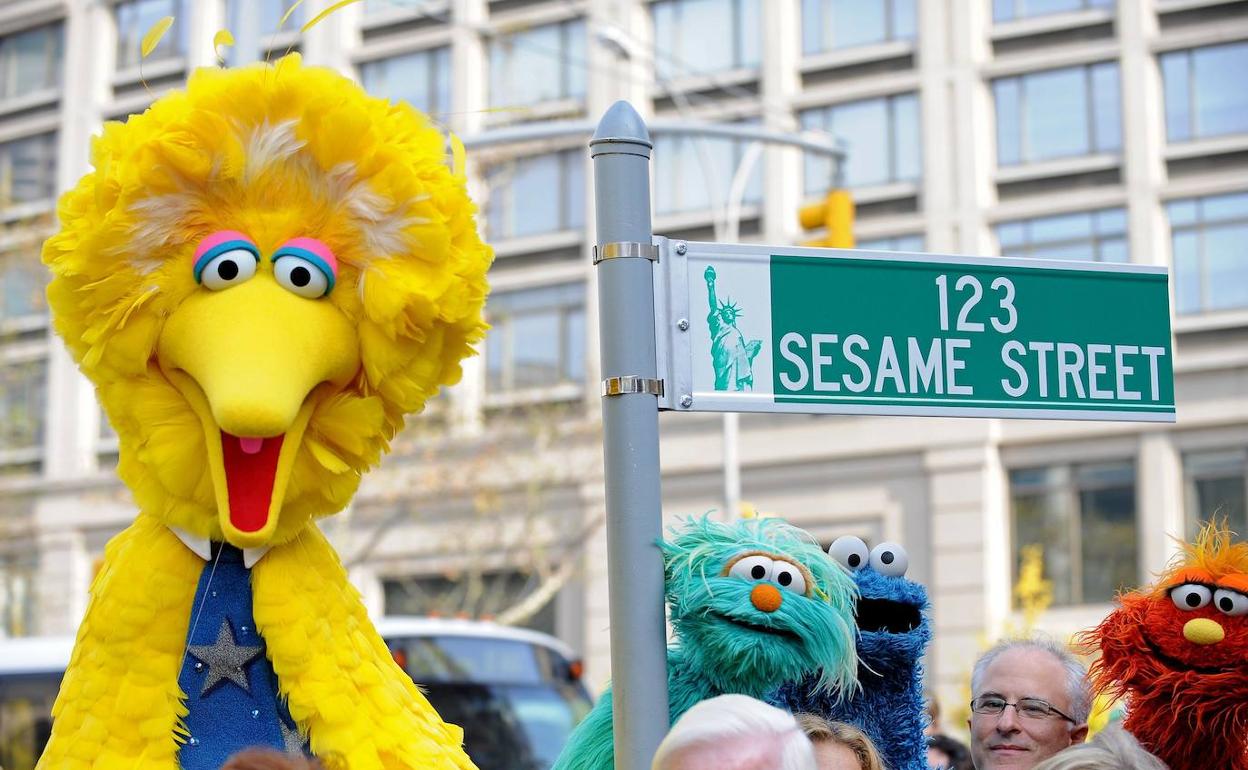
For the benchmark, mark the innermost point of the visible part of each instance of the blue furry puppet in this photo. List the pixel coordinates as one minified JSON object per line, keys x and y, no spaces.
{"x":893,"y":634}
{"x":754,"y":603}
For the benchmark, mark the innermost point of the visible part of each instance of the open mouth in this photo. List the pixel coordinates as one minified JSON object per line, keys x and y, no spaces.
{"x":250,"y":473}
{"x":780,"y":632}
{"x":1177,"y":665}
{"x":888,"y":616}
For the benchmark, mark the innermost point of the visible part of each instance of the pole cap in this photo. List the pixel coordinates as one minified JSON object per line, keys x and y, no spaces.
{"x":622,"y":131}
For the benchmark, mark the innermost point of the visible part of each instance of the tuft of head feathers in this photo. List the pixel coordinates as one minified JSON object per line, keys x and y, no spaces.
{"x":277,"y":151}
{"x":711,"y":611}
{"x":1214,"y":552}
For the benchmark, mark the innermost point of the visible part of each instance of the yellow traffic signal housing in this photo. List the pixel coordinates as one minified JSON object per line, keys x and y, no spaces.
{"x":836,"y":213}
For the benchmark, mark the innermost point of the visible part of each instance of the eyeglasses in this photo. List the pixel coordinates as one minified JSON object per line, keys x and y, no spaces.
{"x":1030,"y":708}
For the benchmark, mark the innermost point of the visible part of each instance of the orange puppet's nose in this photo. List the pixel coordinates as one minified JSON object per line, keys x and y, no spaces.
{"x":1203,"y":631}
{"x":766,"y":597}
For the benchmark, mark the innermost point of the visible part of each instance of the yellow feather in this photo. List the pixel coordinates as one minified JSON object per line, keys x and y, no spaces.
{"x":152,"y":37}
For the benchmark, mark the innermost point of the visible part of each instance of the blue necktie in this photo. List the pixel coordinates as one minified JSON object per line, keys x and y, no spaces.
{"x":230,"y":686}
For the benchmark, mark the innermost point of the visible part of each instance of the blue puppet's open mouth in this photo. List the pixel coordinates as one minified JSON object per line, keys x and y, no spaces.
{"x":888,"y":616}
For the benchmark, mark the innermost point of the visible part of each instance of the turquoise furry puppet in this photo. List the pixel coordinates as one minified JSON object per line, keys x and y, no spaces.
{"x":893,"y":633}
{"x":753,"y":604}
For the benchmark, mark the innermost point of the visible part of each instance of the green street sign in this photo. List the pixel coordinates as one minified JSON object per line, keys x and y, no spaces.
{"x":846,"y":331}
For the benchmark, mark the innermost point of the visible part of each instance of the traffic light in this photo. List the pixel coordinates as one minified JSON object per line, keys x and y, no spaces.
{"x":836,"y":213}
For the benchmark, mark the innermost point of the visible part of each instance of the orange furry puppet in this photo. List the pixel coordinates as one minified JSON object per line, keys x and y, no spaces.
{"x":1179,"y":652}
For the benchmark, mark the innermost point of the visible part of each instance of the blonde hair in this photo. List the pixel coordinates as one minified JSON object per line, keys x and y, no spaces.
{"x":1111,"y":749}
{"x":820,"y":730}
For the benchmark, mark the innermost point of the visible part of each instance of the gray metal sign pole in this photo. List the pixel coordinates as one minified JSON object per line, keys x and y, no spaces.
{"x":630,"y":420}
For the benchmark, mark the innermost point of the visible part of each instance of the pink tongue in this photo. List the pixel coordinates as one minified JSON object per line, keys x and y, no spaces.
{"x":251,"y":446}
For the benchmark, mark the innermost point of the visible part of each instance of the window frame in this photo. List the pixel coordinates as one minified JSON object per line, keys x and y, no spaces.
{"x":1069,"y":490}
{"x":826,"y":46}
{"x":123,"y":61}
{"x":1096,"y":239}
{"x":570,"y":163}
{"x":54,"y":61}
{"x":662,"y":59}
{"x":506,"y":393}
{"x":1199,"y":227}
{"x":1084,"y":5}
{"x":1026,"y":156}
{"x":1191,"y":133}
{"x":892,"y":118}
{"x":567,"y":89}
{"x":438,"y":66}
{"x":1192,"y":514}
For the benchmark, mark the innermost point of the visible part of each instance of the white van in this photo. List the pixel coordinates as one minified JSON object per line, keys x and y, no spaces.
{"x":516,"y":693}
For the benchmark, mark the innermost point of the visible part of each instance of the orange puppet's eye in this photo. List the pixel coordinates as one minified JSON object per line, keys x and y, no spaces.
{"x":1190,"y":596}
{"x":1229,"y":602}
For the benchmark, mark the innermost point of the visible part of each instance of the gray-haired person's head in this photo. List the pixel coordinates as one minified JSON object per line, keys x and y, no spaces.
{"x":1111,"y":749}
{"x":735,"y":732}
{"x":1077,"y":687}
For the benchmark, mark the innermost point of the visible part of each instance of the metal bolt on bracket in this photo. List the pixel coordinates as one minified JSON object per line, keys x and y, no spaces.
{"x":682,"y":247}
{"x":683,"y":324}
{"x":686,"y":401}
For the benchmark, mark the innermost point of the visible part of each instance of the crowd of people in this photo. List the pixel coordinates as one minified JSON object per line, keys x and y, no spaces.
{"x":1030,"y":706}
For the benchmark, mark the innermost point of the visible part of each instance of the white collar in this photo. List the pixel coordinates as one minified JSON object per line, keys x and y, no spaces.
{"x":202,"y":547}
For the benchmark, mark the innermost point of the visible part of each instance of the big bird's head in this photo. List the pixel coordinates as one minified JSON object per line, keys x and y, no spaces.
{"x":263,"y":275}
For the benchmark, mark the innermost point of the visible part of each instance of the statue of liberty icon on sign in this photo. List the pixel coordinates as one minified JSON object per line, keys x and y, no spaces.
{"x":732,"y":354}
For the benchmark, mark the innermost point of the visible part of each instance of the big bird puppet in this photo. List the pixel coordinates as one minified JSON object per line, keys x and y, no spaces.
{"x":1178,"y":651}
{"x":262,"y":276}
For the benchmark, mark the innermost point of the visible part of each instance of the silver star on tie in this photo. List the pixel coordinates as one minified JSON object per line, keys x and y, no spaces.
{"x":292,"y":739}
{"x":225,"y":659}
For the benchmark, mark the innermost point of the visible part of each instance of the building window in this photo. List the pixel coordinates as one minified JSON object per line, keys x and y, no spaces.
{"x":1084,"y":518}
{"x":17,"y":593}
{"x":1204,"y":96}
{"x":31,"y":61}
{"x":828,"y":25}
{"x":536,"y":65}
{"x":1207,"y":237}
{"x":694,"y":37}
{"x":135,"y":18}
{"x":28,"y":170}
{"x":536,"y":340}
{"x":481,"y":596}
{"x":1058,"y":114}
{"x":263,"y":19}
{"x":1097,"y":236}
{"x":1008,"y":10}
{"x":422,"y":79}
{"x":880,"y":136}
{"x":538,"y":194}
{"x":1216,"y":486}
{"x":23,"y":384}
{"x":913,"y":243}
{"x":22,"y":282}
{"x":687,"y":169}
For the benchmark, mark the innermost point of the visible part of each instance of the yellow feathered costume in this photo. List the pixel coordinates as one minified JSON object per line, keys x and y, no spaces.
{"x":191,"y":370}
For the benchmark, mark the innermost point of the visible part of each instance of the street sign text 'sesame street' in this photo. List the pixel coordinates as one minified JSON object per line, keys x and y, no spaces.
{"x":806,"y":330}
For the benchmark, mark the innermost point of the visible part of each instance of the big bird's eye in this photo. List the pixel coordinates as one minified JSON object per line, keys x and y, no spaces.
{"x":1190,"y":596}
{"x":890,"y":559}
{"x":850,"y":551}
{"x":1230,"y":602}
{"x":756,"y":568}
{"x":224,"y":259}
{"x":306,"y":267}
{"x":788,"y":576}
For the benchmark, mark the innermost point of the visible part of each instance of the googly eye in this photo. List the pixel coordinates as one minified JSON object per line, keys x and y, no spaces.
{"x":1229,"y":602}
{"x":1190,"y":596}
{"x":890,"y":559}
{"x":788,"y":576}
{"x":850,"y":552}
{"x":300,"y":276}
{"x":756,"y":568}
{"x":224,"y":259}
{"x":306,"y":267}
